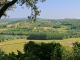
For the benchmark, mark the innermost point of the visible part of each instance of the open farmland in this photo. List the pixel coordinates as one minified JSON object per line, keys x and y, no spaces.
{"x":14,"y":45}
{"x":16,"y":33}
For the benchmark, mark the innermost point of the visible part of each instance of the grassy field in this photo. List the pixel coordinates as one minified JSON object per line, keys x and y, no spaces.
{"x":14,"y":45}
{"x":3,"y":29}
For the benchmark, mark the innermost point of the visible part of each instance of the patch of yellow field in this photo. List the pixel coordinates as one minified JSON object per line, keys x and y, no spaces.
{"x":46,"y":28}
{"x":9,"y":25}
{"x":3,"y":29}
{"x":14,"y":45}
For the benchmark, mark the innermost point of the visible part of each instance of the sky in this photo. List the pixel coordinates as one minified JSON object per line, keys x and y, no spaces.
{"x":51,"y":9}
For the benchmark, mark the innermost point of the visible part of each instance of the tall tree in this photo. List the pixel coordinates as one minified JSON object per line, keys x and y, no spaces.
{"x":8,"y":4}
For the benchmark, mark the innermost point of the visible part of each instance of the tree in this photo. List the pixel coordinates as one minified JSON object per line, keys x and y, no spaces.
{"x":8,"y":5}
{"x":43,"y":51}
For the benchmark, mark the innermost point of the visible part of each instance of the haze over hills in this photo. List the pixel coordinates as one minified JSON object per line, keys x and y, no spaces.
{"x":14,"y":19}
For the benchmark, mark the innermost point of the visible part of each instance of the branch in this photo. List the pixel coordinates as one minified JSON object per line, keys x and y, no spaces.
{"x":6,"y":6}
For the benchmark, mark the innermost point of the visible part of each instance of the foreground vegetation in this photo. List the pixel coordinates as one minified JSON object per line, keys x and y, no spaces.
{"x":44,"y":51}
{"x":18,"y":44}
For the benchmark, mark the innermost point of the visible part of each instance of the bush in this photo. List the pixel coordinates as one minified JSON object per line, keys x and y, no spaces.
{"x":76,"y":50}
{"x":44,"y":51}
{"x":57,"y":26}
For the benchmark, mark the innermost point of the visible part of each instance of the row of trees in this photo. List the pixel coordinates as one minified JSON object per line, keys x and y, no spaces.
{"x":3,"y":26}
{"x":44,"y":51}
{"x":72,"y":34}
{"x":53,"y":35}
{"x":42,"y":35}
{"x":17,"y":31}
{"x":4,"y":38}
{"x":45,"y":36}
{"x":72,"y":24}
{"x":8,"y":37}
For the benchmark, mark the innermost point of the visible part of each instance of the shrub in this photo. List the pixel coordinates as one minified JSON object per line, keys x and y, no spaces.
{"x":43,"y":51}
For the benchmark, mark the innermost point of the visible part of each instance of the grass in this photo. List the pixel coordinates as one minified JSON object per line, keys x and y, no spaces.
{"x":14,"y":45}
{"x":62,"y":29}
{"x":1,"y":29}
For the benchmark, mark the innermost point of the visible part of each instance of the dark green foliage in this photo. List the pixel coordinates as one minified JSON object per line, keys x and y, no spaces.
{"x":1,"y":54}
{"x":3,"y":26}
{"x":4,"y":38}
{"x":76,"y":50}
{"x":67,"y":55}
{"x":44,"y":51}
{"x":57,"y":26}
{"x":52,"y":51}
{"x":34,"y":51}
{"x":73,"y":54}
{"x":55,"y":36}
{"x":17,"y":31}
{"x":45,"y":36}
{"x":10,"y":56}
{"x":72,"y":33}
{"x":73,"y":24}
{"x":37,"y":36}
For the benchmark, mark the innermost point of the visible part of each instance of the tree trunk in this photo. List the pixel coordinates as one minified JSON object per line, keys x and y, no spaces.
{"x":5,"y":7}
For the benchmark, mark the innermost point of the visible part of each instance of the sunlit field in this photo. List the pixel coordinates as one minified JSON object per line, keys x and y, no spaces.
{"x":14,"y":45}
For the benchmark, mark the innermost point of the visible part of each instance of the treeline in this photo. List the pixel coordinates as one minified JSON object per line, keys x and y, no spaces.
{"x":4,"y":38}
{"x":45,"y":36}
{"x":3,"y":26}
{"x":53,"y":35}
{"x":17,"y":31}
{"x":42,"y":35}
{"x":8,"y":37}
{"x":73,"y":24}
{"x":44,"y":51}
{"x":16,"y":21}
{"x":72,"y":34}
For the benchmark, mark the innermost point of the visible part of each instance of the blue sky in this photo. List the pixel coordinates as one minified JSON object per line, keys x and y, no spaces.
{"x":54,"y":9}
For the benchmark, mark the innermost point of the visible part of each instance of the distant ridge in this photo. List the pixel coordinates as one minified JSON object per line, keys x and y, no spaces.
{"x":14,"y":19}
